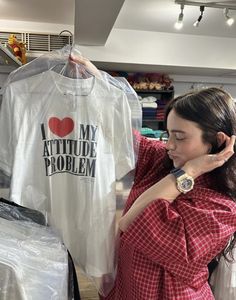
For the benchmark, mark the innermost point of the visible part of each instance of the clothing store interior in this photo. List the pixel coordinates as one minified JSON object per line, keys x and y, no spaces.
{"x":71,"y":73}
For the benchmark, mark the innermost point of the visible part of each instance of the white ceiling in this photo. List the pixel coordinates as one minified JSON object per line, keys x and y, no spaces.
{"x":160,"y":15}
{"x":148,"y":15}
{"x":96,"y":18}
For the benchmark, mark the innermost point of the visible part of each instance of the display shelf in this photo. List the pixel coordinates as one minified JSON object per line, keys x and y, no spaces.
{"x":169,"y":91}
{"x":154,"y":117}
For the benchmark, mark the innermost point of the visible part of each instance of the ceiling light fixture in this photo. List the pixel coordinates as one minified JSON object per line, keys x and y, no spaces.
{"x":196,"y":24}
{"x":229,"y":20}
{"x":179,"y":23}
{"x":209,"y":3}
{"x":223,"y":4}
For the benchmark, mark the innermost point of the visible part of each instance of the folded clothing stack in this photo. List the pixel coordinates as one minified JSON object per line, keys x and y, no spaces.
{"x":148,"y":132}
{"x":149,"y":107}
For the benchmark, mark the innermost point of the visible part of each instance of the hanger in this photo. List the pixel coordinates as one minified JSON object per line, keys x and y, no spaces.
{"x":70,"y":68}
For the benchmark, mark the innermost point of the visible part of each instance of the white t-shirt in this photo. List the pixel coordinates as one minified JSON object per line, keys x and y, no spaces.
{"x":65,"y":142}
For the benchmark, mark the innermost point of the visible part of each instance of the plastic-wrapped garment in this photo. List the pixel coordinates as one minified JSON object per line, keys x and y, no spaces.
{"x":123,"y":186}
{"x":9,"y":285}
{"x":134,"y":103}
{"x":12,"y":211}
{"x":34,"y":261}
{"x":223,"y":279}
{"x":58,"y":61}
{"x":64,"y":143}
{"x":4,"y":180}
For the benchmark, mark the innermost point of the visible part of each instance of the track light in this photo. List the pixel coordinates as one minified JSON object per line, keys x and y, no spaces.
{"x":179,"y":23}
{"x":229,"y":20}
{"x":196,"y":24}
{"x":224,"y":5}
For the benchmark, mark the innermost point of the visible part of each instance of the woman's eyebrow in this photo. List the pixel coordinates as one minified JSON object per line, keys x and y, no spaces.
{"x":176,"y":131}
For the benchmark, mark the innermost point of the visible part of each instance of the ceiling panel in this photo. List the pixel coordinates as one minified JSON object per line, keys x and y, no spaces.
{"x":180,"y":70}
{"x":160,"y":16}
{"x":148,"y":15}
{"x":94,"y":20}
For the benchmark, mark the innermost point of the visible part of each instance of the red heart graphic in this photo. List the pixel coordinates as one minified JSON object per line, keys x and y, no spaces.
{"x":61,"y":127}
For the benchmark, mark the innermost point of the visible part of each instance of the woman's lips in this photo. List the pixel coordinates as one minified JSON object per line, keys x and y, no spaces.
{"x":171,"y":156}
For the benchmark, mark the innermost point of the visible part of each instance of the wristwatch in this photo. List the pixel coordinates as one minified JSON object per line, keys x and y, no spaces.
{"x":184,"y":182}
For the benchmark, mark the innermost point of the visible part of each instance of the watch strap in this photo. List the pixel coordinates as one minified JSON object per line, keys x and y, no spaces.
{"x":177,"y":172}
{"x":184,"y":182}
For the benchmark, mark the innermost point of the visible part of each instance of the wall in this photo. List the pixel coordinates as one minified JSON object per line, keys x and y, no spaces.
{"x":156,"y":49}
{"x":21,"y":26}
{"x":184,"y":84}
{"x":146,"y":47}
{"x":159,"y":48}
{"x":213,"y":55}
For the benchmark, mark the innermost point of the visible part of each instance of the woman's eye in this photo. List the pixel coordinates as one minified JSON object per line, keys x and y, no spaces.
{"x":179,"y":138}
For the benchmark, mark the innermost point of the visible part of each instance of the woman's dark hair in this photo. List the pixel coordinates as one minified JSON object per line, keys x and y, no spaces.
{"x":213,"y":110}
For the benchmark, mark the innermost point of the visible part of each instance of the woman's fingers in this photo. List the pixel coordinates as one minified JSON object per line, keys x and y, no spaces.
{"x":209,"y":162}
{"x":228,"y":151}
{"x":78,"y":59}
{"x":87,"y":64}
{"x":229,"y":145}
{"x":230,"y":141}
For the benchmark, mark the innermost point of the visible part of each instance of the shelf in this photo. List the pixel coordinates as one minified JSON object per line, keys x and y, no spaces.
{"x":152,"y":120}
{"x":155,"y":91}
{"x":156,"y":118}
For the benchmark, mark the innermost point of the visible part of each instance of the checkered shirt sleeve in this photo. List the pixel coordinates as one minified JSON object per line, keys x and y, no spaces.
{"x":182,"y":236}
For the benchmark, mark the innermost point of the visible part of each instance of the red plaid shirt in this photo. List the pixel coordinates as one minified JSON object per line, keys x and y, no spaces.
{"x":163,"y":255}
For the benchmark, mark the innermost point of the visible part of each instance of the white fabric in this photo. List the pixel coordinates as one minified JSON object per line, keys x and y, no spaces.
{"x":36,"y":262}
{"x":223,"y":279}
{"x":149,"y":104}
{"x":65,"y":142}
{"x":134,"y":103}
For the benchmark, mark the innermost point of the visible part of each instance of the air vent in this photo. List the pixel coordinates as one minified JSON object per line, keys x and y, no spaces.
{"x":39,"y":42}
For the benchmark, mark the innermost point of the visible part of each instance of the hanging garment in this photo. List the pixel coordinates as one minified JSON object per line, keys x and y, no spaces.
{"x":64,"y":143}
{"x":133,"y":100}
{"x":4,"y":180}
{"x":223,"y":279}
{"x":58,"y":61}
{"x":33,"y":262}
{"x":12,"y":211}
{"x":9,"y":286}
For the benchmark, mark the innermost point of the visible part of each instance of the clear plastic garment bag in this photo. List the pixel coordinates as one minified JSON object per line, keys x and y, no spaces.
{"x":33,"y":260}
{"x":67,"y":138}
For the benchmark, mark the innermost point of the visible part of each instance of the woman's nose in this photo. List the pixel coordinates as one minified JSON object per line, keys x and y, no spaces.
{"x":170,"y":144}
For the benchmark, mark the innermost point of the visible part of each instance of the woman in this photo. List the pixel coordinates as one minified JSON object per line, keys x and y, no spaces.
{"x":181,"y":211}
{"x":169,"y":235}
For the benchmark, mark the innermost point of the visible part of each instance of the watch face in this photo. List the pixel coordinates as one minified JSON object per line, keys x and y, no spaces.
{"x":184,"y":182}
{"x":187,"y":184}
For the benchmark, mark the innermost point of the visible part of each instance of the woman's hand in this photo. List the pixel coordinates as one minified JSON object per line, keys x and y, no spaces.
{"x":166,"y":187}
{"x":87,"y":64}
{"x":209,"y":162}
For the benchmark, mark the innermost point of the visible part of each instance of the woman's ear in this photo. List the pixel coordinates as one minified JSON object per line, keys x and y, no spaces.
{"x":221,"y":138}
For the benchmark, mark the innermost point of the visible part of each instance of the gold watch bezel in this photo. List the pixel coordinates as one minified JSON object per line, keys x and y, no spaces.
{"x":180,"y":180}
